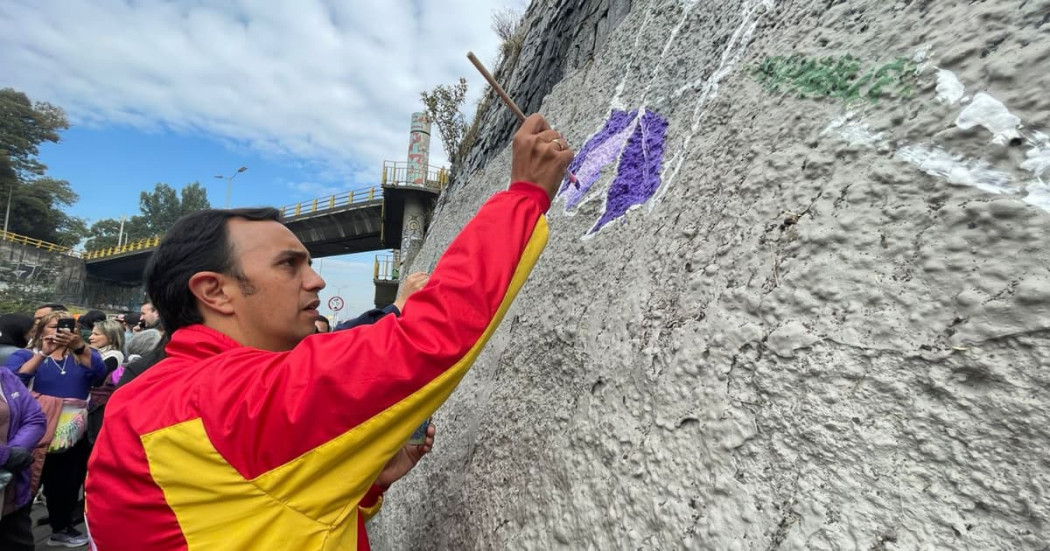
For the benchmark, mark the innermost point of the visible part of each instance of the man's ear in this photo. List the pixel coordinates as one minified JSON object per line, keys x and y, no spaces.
{"x":210,"y":290}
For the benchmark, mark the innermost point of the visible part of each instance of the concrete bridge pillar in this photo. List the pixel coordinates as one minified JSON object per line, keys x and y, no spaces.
{"x":415,"y":206}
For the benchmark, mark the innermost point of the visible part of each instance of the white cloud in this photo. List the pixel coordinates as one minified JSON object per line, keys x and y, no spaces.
{"x":320,"y":81}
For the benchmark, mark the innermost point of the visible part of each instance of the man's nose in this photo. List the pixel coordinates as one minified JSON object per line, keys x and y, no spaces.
{"x":313,"y":280}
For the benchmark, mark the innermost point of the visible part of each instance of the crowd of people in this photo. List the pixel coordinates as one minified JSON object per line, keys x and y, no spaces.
{"x":225,"y":414}
{"x":58,"y":372}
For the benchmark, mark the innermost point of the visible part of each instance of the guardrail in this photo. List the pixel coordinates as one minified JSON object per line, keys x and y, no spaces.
{"x":386,"y":268}
{"x":144,"y":243}
{"x":394,"y":174}
{"x":33,"y":242}
{"x":328,"y":203}
{"x":401,"y":174}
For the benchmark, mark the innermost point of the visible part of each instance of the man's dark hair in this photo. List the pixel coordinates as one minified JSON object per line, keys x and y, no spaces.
{"x":53,"y":306}
{"x":14,"y":328}
{"x":90,"y":318}
{"x":197,"y":242}
{"x":131,"y":319}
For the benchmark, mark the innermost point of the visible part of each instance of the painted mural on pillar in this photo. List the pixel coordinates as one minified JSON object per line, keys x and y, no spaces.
{"x":636,"y":139}
{"x":419,"y":149}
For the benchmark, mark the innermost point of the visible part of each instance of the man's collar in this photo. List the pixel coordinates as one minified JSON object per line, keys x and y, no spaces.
{"x":199,"y":341}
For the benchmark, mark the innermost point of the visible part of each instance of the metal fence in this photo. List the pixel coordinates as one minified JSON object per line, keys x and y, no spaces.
{"x":394,"y":174}
{"x":401,"y":174}
{"x":38,"y":243}
{"x":322,"y":204}
{"x":144,"y":243}
{"x":386,"y":268}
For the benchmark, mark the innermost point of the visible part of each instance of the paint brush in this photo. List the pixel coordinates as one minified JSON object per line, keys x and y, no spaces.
{"x":507,"y":101}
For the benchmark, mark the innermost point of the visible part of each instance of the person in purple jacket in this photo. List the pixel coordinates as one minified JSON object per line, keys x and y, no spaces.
{"x":22,"y":425}
{"x":60,"y":364}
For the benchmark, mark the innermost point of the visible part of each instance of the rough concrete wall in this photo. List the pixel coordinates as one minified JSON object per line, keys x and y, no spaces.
{"x":823,"y":324}
{"x":39,"y":275}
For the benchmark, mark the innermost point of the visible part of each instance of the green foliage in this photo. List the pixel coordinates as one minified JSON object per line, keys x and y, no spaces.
{"x":37,"y":211}
{"x":11,"y":303}
{"x":35,"y":199}
{"x":836,"y":77}
{"x":25,"y":125}
{"x":159,"y":209}
{"x":443,"y":105}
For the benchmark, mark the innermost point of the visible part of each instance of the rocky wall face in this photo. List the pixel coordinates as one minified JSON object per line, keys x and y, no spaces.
{"x":801,"y":299}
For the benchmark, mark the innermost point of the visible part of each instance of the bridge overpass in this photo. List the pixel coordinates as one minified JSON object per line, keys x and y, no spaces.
{"x":362,"y":220}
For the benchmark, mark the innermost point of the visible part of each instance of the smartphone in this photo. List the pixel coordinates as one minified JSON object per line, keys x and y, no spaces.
{"x":67,"y":323}
{"x":420,"y":435}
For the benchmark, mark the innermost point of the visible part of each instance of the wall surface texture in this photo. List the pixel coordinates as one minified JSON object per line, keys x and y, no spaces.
{"x":801,"y":299}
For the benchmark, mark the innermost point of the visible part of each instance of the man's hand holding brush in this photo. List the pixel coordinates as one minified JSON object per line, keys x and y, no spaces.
{"x":540,"y":155}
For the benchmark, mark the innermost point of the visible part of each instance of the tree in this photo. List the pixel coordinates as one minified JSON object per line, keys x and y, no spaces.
{"x":36,"y":212}
{"x":32,"y":201}
{"x":159,"y":209}
{"x":443,"y":104}
{"x":25,"y":125}
{"x":505,"y":23}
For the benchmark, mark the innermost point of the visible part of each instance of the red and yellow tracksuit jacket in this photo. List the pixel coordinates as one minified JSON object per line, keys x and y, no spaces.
{"x":220,"y":446}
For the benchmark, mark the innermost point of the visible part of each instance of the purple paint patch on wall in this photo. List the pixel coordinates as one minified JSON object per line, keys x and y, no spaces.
{"x":599,"y":151}
{"x":638,"y":176}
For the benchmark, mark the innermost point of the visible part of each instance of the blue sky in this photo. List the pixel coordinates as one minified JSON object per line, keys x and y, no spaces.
{"x":310,"y":95}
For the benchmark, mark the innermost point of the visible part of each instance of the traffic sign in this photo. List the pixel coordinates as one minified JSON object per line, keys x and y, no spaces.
{"x":335,"y":303}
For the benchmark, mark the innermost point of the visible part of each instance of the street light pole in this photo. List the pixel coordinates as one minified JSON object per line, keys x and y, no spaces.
{"x":229,"y":182}
{"x":7,"y":213}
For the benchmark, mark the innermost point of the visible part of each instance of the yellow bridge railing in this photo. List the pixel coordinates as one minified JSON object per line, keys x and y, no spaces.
{"x":400,"y":174}
{"x":394,"y":174}
{"x":32,"y":242}
{"x":386,"y":268}
{"x":144,"y":243}
{"x":328,"y":203}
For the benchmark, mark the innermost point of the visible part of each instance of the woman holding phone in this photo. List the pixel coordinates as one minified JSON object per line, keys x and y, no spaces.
{"x":60,"y":366}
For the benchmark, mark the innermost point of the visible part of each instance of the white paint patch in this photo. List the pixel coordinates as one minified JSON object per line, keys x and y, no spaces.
{"x":852,"y":132}
{"x":949,"y":89}
{"x":1038,"y":195}
{"x":990,"y":113}
{"x":955,"y":169}
{"x":1038,"y":158}
{"x":921,"y":55}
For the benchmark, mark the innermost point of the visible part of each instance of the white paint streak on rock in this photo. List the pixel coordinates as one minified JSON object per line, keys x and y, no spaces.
{"x":853,"y":132}
{"x":732,"y":54}
{"x":1038,"y":195}
{"x":990,"y":113}
{"x":921,"y":56}
{"x":955,"y":169}
{"x":617,"y":100}
{"x":1038,"y":157}
{"x":949,"y":89}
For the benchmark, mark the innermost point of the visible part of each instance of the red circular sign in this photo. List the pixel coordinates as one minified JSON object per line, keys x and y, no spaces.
{"x":335,"y":303}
